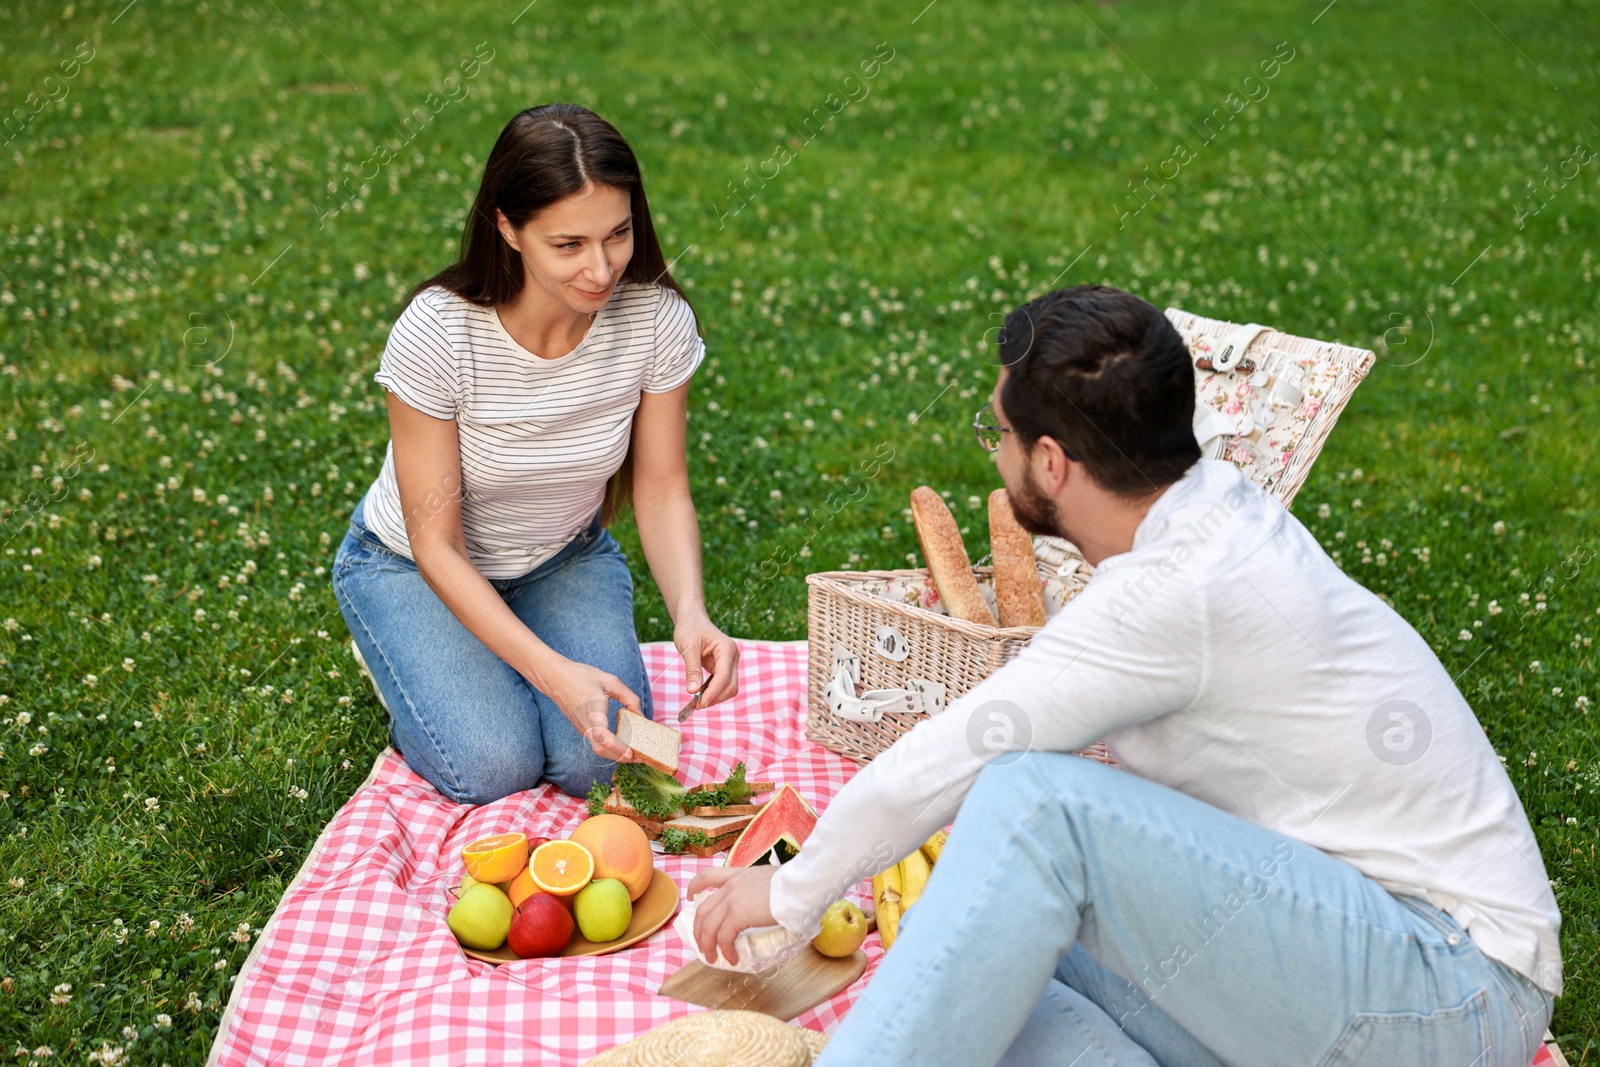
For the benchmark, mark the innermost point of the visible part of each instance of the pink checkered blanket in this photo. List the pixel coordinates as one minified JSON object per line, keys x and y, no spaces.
{"x":357,"y":966}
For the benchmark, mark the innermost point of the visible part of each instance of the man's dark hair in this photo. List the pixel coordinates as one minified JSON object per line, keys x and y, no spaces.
{"x":1109,"y":378}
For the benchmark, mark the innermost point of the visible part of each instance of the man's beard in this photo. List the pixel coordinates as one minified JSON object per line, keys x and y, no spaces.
{"x":1035,"y":512}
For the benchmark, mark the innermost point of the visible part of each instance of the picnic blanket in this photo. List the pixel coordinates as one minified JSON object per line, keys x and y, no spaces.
{"x":356,"y":966}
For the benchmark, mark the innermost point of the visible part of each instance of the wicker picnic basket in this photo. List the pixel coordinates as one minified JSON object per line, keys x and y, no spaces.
{"x":1263,"y":399}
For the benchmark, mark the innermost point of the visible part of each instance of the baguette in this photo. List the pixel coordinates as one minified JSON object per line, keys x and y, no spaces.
{"x":653,"y":744}
{"x":1016,"y":574}
{"x":948,"y":563}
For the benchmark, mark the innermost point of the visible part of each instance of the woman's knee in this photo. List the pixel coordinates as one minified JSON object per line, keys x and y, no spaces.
{"x":483,"y":783}
{"x":578,"y":777}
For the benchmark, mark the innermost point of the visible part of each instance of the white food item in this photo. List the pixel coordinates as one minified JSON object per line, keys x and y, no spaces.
{"x":760,"y":948}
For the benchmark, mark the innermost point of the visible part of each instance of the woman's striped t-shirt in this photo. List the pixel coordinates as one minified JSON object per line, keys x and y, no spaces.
{"x":539,"y":437}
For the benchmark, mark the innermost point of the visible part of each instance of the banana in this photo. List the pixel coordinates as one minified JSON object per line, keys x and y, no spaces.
{"x":914,"y":871}
{"x":935,"y":845}
{"x":888,"y":923}
{"x":886,"y":887}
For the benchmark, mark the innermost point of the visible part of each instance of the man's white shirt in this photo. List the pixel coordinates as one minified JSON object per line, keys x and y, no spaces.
{"x":1226,"y":656}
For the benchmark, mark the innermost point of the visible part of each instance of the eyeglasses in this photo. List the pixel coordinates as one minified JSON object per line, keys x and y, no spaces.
{"x":989,"y":433}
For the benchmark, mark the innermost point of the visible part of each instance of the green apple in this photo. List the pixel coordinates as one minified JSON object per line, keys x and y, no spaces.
{"x":603,"y":909}
{"x":481,"y":917}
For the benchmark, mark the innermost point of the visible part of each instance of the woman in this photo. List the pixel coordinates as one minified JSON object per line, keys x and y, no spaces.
{"x":534,"y":387}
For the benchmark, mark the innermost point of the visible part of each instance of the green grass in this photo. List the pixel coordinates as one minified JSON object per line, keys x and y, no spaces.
{"x":176,"y":321}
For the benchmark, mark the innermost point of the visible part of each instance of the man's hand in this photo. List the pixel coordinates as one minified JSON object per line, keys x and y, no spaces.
{"x":742,"y":900}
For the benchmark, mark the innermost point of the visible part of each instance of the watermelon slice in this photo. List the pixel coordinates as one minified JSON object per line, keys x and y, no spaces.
{"x":776,"y":833}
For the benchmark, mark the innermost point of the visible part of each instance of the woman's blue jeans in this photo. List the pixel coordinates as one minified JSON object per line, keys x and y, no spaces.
{"x":1082,"y":916}
{"x":461,"y":716}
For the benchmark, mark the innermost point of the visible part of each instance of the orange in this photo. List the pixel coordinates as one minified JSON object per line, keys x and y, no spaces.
{"x":561,"y":868}
{"x":497,"y":858}
{"x":620,"y":849}
{"x":521,"y":888}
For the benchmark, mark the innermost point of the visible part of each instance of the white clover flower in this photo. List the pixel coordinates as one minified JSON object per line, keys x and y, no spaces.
{"x":127,"y":663}
{"x":90,"y":680}
{"x":17,"y":883}
{"x":62,"y":994}
{"x":24,"y":718}
{"x":193,"y":1004}
{"x":163,"y":1020}
{"x":1499,"y":529}
{"x":12,"y":624}
{"x":1495,"y":608}
{"x":38,"y":750}
{"x":152,"y":804}
{"x":1464,"y":635}
{"x":241,"y":934}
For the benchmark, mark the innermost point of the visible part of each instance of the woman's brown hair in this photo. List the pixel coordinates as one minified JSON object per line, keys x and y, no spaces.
{"x":546,"y":154}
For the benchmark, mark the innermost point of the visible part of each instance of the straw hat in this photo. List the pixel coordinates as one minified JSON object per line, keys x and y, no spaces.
{"x":721,"y":1038}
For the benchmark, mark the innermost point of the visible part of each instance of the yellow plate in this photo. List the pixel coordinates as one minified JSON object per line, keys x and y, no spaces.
{"x":653,"y":910}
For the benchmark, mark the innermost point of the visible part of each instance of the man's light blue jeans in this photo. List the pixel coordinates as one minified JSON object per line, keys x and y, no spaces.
{"x":462,"y":717}
{"x":1082,"y":916}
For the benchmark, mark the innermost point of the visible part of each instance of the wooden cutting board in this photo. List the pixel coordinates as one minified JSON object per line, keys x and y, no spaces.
{"x":800,"y":984}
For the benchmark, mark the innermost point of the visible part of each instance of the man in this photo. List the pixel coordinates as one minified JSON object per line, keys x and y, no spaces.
{"x":1311,"y":854}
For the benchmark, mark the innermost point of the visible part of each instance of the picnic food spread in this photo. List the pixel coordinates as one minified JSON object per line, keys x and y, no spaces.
{"x":536,"y":897}
{"x":701,"y":821}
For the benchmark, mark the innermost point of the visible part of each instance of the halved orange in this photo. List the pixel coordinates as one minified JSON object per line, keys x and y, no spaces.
{"x":561,"y":868}
{"x":497,"y":858}
{"x":521,"y":888}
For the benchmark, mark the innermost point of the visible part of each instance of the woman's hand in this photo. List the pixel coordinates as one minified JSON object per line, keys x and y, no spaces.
{"x":743,"y":899}
{"x":584,"y":694}
{"x":705,"y":648}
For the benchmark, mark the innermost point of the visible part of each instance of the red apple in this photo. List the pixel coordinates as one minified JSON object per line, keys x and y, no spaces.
{"x":541,"y":927}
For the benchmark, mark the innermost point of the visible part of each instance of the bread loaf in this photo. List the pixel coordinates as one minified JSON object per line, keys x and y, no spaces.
{"x":1016,"y":575}
{"x":948,"y":563}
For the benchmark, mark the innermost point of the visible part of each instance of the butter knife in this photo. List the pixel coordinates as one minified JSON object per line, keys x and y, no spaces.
{"x":694,"y":700}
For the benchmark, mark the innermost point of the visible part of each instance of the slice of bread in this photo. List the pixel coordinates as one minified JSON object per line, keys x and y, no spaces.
{"x":615,"y":805}
{"x":712,"y":827}
{"x":653,"y":744}
{"x":721,"y":844}
{"x":721,"y":831}
{"x":732,"y":809}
